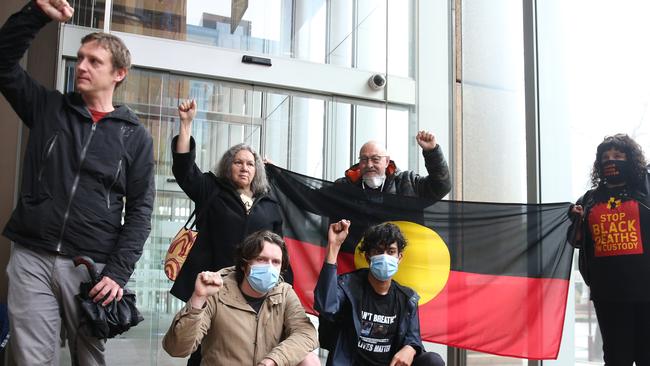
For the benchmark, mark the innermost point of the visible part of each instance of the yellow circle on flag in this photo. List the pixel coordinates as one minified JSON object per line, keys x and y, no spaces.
{"x":425,"y":263}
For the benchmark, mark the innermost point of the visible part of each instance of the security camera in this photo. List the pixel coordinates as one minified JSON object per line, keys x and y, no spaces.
{"x":377,"y":81}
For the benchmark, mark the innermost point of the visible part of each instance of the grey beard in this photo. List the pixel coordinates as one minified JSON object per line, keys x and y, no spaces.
{"x":374,"y":182}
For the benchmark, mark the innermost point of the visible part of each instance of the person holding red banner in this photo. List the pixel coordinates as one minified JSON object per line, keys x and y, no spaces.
{"x":610,"y":226}
{"x":366,"y":317}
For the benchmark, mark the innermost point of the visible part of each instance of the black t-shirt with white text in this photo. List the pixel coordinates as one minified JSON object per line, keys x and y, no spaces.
{"x":380,"y":315}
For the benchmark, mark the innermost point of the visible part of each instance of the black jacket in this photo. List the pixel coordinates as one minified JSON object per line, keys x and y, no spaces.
{"x":407,"y":183}
{"x":338,"y":300}
{"x":223,"y":224}
{"x":76,"y":175}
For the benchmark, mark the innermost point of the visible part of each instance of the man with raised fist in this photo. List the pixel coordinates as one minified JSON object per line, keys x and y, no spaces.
{"x":86,"y":159}
{"x":246,"y":314}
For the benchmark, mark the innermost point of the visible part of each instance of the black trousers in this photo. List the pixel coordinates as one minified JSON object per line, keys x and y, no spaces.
{"x":428,"y":359}
{"x":625,"y":327}
{"x":195,"y":358}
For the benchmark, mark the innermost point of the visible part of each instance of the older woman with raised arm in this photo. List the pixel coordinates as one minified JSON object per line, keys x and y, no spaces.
{"x":237,"y":199}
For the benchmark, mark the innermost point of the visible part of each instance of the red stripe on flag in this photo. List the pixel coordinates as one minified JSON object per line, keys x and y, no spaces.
{"x":306,"y":262}
{"x":504,"y":315}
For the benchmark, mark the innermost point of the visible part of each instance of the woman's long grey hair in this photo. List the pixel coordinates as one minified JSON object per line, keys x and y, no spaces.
{"x":259,"y":184}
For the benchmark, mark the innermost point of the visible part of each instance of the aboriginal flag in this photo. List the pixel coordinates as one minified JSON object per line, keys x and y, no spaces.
{"x":492,"y":277}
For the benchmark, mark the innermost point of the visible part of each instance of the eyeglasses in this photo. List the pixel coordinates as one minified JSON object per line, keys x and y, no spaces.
{"x":376,"y":159}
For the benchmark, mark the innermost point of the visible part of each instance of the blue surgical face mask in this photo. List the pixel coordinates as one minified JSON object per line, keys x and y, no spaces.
{"x":263,"y":277}
{"x":383,"y":266}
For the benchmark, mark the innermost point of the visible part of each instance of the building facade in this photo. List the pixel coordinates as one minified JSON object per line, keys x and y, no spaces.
{"x":482,"y":76}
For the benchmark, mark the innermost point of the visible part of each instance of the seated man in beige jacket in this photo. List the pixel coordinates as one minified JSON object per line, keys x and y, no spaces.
{"x":245,"y":315}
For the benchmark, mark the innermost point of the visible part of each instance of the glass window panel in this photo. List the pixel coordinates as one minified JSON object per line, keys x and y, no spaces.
{"x":340,"y":32}
{"x":370,"y":124}
{"x":237,"y":103}
{"x":253,"y":137}
{"x":222,"y":135}
{"x":254,"y":105}
{"x":371,"y":35}
{"x":307,"y":119}
{"x":494,"y":140}
{"x":397,"y":144}
{"x":221,"y":98}
{"x":237,"y":134}
{"x":311,"y":32}
{"x":400,"y":48}
{"x":340,"y":155}
{"x":276,"y":120}
{"x":88,"y":13}
{"x":265,"y":27}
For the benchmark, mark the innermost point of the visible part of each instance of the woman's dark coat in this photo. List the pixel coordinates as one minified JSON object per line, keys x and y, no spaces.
{"x":222,"y":225}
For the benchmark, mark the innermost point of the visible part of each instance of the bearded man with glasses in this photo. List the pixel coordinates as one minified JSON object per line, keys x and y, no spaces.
{"x":376,"y":171}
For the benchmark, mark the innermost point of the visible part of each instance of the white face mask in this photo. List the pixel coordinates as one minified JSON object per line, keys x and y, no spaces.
{"x":374,"y":182}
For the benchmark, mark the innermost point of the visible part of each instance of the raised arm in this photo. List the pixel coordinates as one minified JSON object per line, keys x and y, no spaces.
{"x":328,"y":297}
{"x":192,"y":323}
{"x":58,"y":10}
{"x":188,"y":175}
{"x":438,"y":182}
{"x":336,"y":235}
{"x":186,"y":114}
{"x":26,"y":96}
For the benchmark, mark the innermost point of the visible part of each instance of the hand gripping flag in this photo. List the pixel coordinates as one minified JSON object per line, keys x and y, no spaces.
{"x":492,"y":277}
